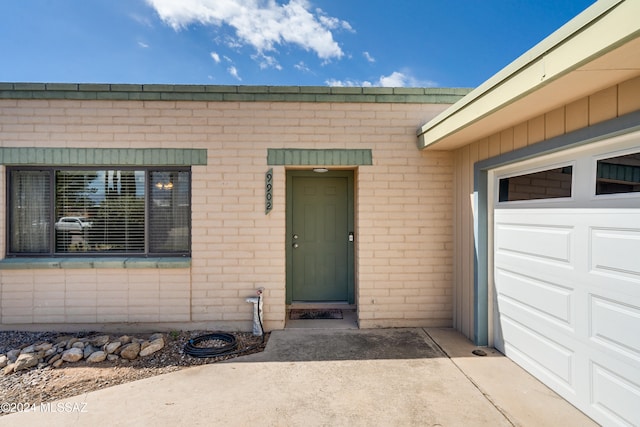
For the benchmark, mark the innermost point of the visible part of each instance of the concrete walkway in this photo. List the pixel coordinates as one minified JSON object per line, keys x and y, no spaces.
{"x":311,"y":377}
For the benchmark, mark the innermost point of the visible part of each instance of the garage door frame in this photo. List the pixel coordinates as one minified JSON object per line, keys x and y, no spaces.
{"x":483,"y":205}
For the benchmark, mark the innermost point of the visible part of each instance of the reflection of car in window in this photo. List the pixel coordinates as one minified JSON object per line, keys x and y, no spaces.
{"x":73,"y":223}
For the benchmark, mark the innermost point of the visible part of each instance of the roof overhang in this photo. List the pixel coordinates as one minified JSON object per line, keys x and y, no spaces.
{"x":597,"y":49}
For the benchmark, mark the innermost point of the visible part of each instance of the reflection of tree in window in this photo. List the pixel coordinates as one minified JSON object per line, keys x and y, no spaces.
{"x":119,"y":223}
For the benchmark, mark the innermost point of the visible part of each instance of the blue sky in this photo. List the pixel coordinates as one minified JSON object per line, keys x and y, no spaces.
{"x":452,"y":43}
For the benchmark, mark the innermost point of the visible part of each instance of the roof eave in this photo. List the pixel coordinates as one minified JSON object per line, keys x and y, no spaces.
{"x":554,"y":63}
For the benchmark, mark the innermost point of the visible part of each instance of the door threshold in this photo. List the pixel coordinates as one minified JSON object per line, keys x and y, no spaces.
{"x":321,"y":305}
{"x":349,"y":319}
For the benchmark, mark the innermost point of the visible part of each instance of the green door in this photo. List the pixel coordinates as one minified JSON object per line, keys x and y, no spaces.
{"x":320,"y":237}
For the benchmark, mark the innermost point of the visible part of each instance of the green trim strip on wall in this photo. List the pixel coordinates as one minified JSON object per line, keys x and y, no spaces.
{"x":304,"y":157}
{"x":159,"y":92}
{"x":102,"y":156}
{"x":112,"y":262}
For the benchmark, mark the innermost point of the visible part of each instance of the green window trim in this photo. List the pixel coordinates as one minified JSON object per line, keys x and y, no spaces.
{"x":310,"y":157}
{"x":36,"y":156}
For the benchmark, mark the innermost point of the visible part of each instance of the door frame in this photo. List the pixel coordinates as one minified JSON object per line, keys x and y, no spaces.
{"x":342,"y":173}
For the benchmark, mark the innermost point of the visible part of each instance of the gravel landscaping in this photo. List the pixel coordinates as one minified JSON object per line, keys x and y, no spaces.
{"x":42,"y":382}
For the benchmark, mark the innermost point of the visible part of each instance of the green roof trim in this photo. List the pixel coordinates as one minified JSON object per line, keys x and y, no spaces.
{"x":102,"y":156}
{"x":156,"y":92}
{"x":303,"y":157}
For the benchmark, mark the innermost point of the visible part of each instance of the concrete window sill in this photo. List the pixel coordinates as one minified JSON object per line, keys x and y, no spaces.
{"x":106,"y":262}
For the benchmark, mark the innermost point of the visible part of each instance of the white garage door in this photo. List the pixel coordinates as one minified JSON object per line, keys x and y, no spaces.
{"x":566,"y":272}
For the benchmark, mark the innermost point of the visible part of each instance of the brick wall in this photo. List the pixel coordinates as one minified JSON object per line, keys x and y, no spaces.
{"x":403,"y":212}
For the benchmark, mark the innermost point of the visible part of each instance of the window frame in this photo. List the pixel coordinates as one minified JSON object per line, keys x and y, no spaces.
{"x":534,"y":167}
{"x":51,"y":170}
{"x":595,"y":178}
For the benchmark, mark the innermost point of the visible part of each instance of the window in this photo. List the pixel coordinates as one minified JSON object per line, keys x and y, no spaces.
{"x":97,"y":212}
{"x":619,"y":174}
{"x":547,"y":184}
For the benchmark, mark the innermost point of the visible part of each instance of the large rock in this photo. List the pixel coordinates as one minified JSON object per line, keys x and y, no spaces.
{"x":53,"y":358}
{"x":4,"y":361}
{"x":9,"y":368}
{"x":100,"y":340}
{"x":125,"y":339}
{"x":72,"y":355}
{"x":26,"y":361}
{"x":71,"y":342}
{"x":28,"y":349}
{"x":88,"y":350}
{"x":12,"y":355}
{"x":46,"y":346}
{"x":152,"y":347}
{"x":156,"y":336}
{"x":98,"y":356}
{"x":112,"y":347}
{"x":130,"y":351}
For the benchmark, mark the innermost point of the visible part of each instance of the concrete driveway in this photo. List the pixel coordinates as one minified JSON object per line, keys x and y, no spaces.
{"x":326,"y":377}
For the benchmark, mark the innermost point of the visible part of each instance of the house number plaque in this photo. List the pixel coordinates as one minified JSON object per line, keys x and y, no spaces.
{"x":268,"y":191}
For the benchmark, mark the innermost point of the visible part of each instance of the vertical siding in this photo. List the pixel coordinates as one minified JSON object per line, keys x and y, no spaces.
{"x":603,"y":105}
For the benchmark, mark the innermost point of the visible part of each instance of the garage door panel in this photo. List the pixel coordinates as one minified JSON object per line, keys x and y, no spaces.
{"x":567,"y":287}
{"x":539,"y":352}
{"x":615,"y":326}
{"x":616,"y":251}
{"x":615,"y":396}
{"x":535,"y":241}
{"x":566,"y":276}
{"x":547,"y":300}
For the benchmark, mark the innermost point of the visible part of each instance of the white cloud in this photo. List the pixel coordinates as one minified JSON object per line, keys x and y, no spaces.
{"x":141,"y":19}
{"x":215,"y":57}
{"x":262,"y":24}
{"x":333,"y":23}
{"x":234,"y":72}
{"x":395,"y":79}
{"x":368,"y":57}
{"x":266,"y":61}
{"x":301,"y":66}
{"x":348,"y":83}
{"x":143,"y":45}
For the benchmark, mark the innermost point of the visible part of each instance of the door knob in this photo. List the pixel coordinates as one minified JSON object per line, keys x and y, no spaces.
{"x":295,"y":246}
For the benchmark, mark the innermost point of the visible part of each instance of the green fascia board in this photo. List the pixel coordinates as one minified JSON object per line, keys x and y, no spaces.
{"x":312,"y":157}
{"x":168,"y":92}
{"x":102,"y":156}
